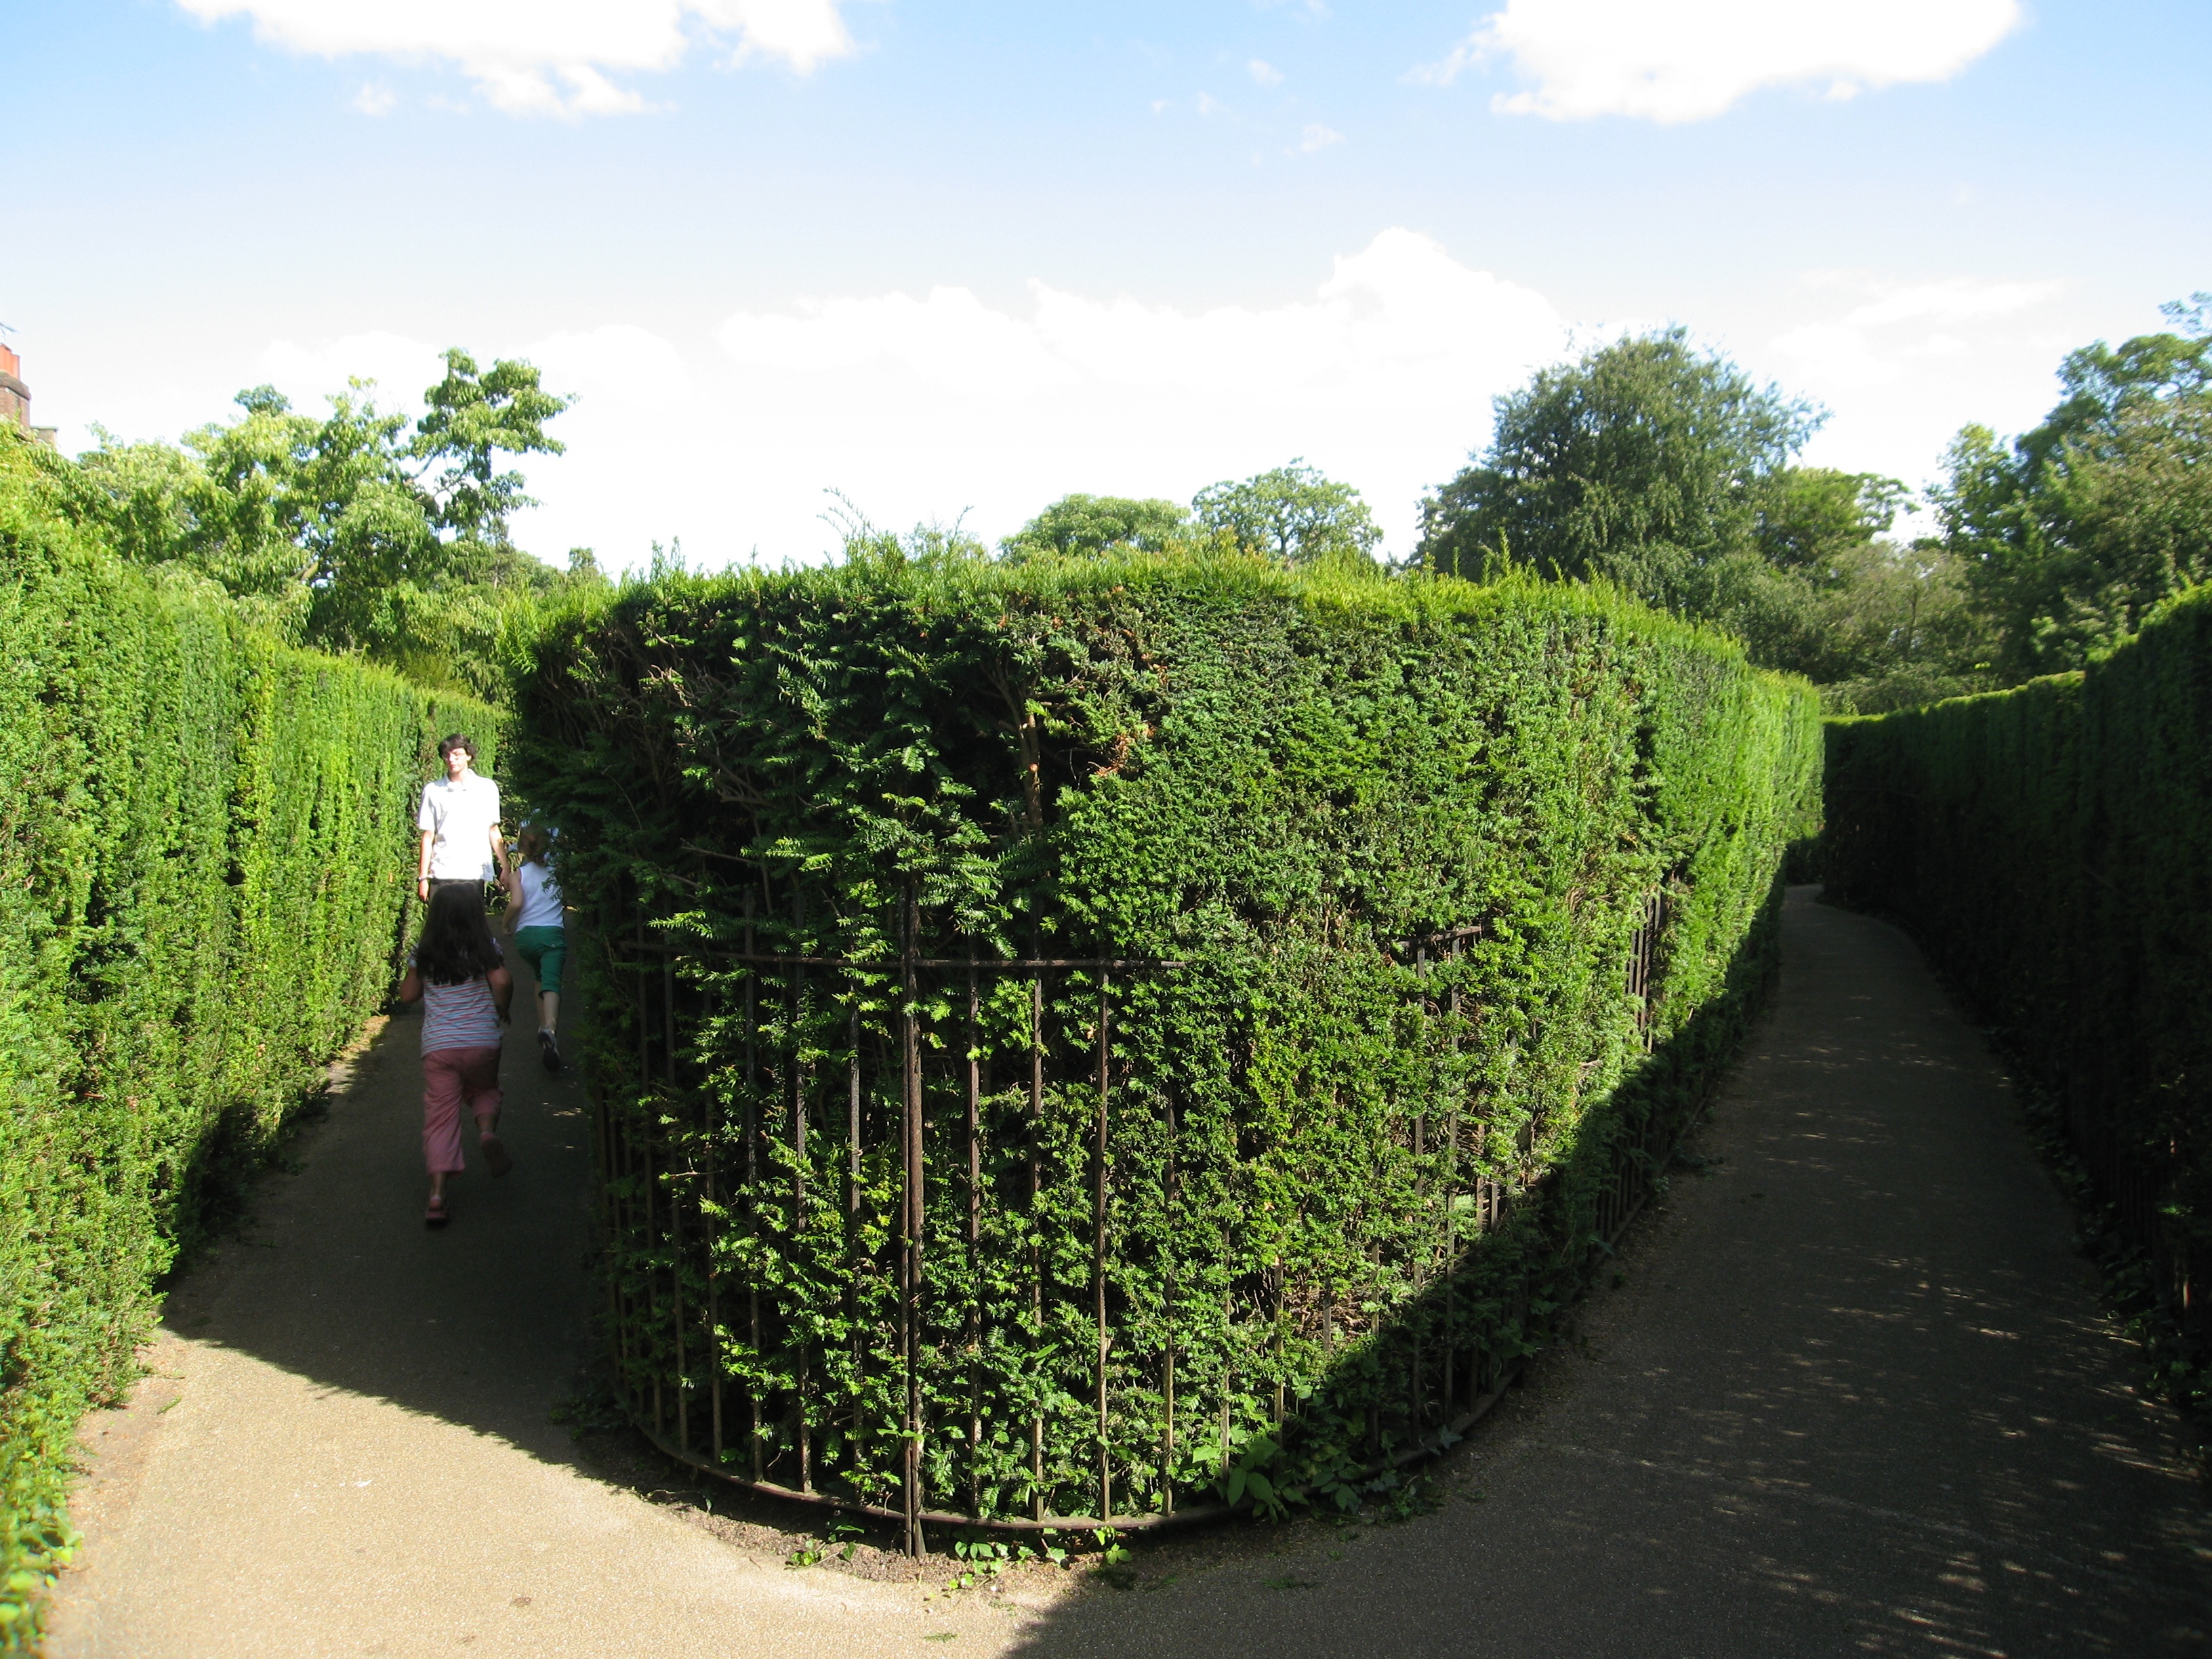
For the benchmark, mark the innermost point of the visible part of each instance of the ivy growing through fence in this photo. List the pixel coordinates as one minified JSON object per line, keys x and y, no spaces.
{"x":1078,"y":1042}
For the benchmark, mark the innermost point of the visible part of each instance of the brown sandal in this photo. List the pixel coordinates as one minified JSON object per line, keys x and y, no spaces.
{"x":495,"y":1156}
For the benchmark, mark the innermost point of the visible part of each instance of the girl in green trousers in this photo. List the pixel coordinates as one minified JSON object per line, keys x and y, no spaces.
{"x":540,"y":937}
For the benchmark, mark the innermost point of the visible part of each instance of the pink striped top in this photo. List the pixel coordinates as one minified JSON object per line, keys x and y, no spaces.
{"x":461,"y":1016}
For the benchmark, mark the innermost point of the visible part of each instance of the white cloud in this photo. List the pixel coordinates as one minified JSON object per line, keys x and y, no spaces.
{"x":546,"y":57}
{"x":1687,"y":60}
{"x":1265,"y":72}
{"x":1318,"y":138}
{"x":1905,"y":364}
{"x":374,"y":99}
{"x":1895,"y":327}
{"x":923,"y":405}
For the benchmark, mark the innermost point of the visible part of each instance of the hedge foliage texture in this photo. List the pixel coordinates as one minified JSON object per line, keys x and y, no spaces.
{"x":1293,"y":1075}
{"x":2050,"y":847}
{"x":203,"y":867}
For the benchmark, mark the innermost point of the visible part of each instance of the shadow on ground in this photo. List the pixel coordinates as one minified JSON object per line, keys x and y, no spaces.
{"x":337,"y":1278}
{"x":1856,"y":1396}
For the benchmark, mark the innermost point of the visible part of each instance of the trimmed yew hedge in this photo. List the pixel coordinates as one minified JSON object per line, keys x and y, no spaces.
{"x":2050,"y":848}
{"x":1370,"y":859}
{"x":204,"y":852}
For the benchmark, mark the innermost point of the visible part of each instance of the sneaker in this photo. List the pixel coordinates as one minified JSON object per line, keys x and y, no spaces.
{"x":548,"y":1049}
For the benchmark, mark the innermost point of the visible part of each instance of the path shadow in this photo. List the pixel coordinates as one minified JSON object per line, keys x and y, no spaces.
{"x":1858,"y":1397}
{"x":335,"y":1278}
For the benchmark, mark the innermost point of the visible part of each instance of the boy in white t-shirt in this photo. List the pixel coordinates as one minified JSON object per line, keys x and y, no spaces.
{"x":459,"y":821}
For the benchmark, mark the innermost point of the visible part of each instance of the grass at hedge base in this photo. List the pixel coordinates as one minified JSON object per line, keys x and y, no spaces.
{"x":205,"y":851}
{"x":1324,"y":1126}
{"x":2050,"y":848}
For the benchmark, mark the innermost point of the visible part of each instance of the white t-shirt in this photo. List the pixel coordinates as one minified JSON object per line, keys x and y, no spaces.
{"x":541,"y":897}
{"x":460,"y":818}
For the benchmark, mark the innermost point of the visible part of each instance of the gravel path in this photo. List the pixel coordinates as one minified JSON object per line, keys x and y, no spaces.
{"x":1854,"y":1396}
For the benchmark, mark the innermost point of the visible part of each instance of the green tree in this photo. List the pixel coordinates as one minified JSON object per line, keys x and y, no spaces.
{"x":1293,"y":514}
{"x":1644,"y":463}
{"x":353,"y":531}
{"x":1807,"y":516}
{"x":472,"y":418}
{"x":2073,"y":532}
{"x":1086,"y":526}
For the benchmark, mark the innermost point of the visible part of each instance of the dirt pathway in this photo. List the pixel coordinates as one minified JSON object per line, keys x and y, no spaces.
{"x":346,"y":1447}
{"x":1854,"y":1396}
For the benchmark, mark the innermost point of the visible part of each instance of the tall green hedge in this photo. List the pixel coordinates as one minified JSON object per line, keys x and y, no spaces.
{"x":204,"y":850}
{"x":1387,"y":845}
{"x":2050,"y":847}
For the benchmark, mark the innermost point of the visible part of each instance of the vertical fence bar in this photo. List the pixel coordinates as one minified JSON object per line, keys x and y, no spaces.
{"x":974,"y":1332}
{"x":1448,"y":1393}
{"x":1036,"y":1254}
{"x":677,"y":1178}
{"x":911,"y":1227}
{"x":796,"y":1045}
{"x":644,"y":1084}
{"x":752,"y":1178}
{"x":1167,"y":1367}
{"x":1098,"y":1245}
{"x":711,"y":1225}
{"x":853,"y":1211}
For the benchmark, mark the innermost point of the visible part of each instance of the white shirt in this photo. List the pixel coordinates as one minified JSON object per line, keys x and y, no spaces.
{"x":541,"y":897}
{"x":460,"y":818}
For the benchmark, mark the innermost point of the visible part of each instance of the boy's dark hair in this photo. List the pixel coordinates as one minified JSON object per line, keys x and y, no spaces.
{"x":457,"y":740}
{"x":456,"y":944}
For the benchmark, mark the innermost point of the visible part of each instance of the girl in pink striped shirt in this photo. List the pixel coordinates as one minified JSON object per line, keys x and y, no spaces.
{"x":466,"y":990}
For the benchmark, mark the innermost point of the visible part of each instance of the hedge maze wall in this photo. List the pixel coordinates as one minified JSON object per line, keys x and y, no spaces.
{"x":203,"y":869}
{"x":2050,"y":848}
{"x":1090,"y":1041}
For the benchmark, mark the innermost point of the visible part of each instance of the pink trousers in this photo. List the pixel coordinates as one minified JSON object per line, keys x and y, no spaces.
{"x":449,"y":1076}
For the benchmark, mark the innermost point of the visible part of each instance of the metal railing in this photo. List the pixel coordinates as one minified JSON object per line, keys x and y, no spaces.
{"x":725,"y":1167}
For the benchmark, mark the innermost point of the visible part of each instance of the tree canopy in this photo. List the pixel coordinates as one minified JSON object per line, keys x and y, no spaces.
{"x":1642,"y":462}
{"x":356,"y":531}
{"x":1292,"y":514}
{"x":1076,"y":526}
{"x":2073,"y":532}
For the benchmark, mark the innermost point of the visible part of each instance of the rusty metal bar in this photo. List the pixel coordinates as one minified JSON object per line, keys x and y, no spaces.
{"x":1036,"y":1254}
{"x":796,"y":1046}
{"x":911,"y":1227}
{"x":675,"y":1214}
{"x":974,"y":1249}
{"x":644,"y":1075}
{"x":1167,"y":1367}
{"x":1098,"y":1244}
{"x":767,"y":959}
{"x":752,"y":1180}
{"x":853,"y":1206}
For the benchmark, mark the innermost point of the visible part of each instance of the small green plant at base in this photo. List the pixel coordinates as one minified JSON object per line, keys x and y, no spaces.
{"x":985,"y":1558}
{"x":807,"y":1555}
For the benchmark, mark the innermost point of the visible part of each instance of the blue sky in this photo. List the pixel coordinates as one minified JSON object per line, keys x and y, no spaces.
{"x":962,"y":258}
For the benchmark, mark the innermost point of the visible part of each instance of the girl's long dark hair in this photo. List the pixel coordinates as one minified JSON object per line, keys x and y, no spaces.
{"x":456,"y":944}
